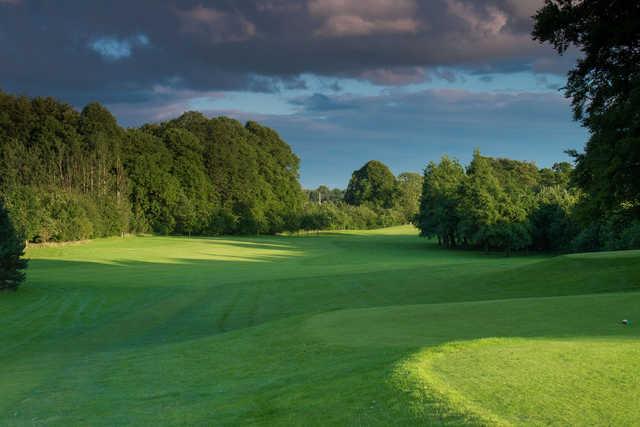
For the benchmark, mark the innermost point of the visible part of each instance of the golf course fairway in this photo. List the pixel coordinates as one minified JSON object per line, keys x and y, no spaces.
{"x":353,"y":328}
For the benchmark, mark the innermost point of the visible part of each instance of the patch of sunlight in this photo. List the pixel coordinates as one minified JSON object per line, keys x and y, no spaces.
{"x":515,"y":381}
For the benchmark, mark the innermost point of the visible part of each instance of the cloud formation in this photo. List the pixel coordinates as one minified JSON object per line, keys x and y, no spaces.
{"x":341,"y":18}
{"x":216,"y":26}
{"x":224,"y":45}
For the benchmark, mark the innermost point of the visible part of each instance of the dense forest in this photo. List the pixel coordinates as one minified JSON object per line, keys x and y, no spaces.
{"x":509,"y":205}
{"x":498,"y":204}
{"x":68,"y":175}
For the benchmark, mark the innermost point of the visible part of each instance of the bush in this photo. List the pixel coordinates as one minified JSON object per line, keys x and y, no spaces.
{"x":588,"y":239}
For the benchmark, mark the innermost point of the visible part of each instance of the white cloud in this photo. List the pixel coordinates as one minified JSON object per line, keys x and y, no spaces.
{"x":358,"y":18}
{"x":217,"y":26}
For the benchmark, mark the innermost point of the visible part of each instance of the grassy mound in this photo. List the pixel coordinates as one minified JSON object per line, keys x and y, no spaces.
{"x":531,"y":381}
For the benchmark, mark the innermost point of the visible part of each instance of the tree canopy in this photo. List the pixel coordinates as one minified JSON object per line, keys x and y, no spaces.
{"x":496,"y":204}
{"x":373,"y":184}
{"x":69,"y":175}
{"x":604,"y":88}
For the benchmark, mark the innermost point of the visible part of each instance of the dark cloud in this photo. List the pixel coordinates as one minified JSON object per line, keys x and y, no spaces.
{"x":111,"y":51}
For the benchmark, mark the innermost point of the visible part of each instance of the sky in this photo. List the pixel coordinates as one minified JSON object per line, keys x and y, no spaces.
{"x":342,"y":81}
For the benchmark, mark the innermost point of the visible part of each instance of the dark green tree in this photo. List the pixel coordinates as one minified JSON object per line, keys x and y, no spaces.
{"x":373,"y":184}
{"x":409,"y":191}
{"x":604,"y":88}
{"x":486,"y":206}
{"x":11,"y":252}
{"x":438,"y":215}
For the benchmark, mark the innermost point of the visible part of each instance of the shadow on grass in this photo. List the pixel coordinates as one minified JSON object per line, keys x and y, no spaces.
{"x":124,"y":302}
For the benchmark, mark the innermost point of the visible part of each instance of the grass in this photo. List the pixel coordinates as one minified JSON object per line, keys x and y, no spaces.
{"x":359,"y":328}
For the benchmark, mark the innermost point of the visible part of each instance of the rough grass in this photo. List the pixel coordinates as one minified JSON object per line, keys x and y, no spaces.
{"x":315,"y":330}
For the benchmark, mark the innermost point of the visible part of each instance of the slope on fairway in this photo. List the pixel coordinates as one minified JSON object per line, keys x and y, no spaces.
{"x":543,"y":381}
{"x":576,"y":366}
{"x":311,"y":330}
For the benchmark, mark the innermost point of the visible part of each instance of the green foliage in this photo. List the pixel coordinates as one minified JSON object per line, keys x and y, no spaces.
{"x":373,"y":184}
{"x":11,"y":253}
{"x":409,"y":192}
{"x":618,"y":231}
{"x":68,"y":176}
{"x":552,"y":220}
{"x":497,"y":204}
{"x":342,"y":216}
{"x":604,"y":87}
{"x":438,"y":214}
{"x":374,"y":199}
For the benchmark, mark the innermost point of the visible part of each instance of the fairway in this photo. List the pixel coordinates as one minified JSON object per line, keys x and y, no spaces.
{"x":354,"y":328}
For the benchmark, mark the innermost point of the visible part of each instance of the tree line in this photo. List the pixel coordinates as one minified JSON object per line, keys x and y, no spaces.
{"x":507,"y":205}
{"x":68,"y":175}
{"x":498,"y":204}
{"x":374,"y":198}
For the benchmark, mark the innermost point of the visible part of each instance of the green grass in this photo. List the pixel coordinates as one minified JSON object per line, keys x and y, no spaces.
{"x":360,"y":328}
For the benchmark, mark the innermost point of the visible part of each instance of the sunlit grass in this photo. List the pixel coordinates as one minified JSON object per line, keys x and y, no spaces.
{"x":336,"y":328}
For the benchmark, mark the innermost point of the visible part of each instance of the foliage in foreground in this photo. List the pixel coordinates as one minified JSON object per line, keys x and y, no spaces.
{"x":11,"y":252}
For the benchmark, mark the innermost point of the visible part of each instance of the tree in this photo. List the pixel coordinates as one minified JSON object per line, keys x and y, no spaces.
{"x":324,"y":194}
{"x":373,"y":184}
{"x":409,"y":190}
{"x":552,"y":220}
{"x":481,"y":195}
{"x":604,"y":87}
{"x":487,"y":206}
{"x":438,"y":214}
{"x":11,"y":252}
{"x":68,"y":175}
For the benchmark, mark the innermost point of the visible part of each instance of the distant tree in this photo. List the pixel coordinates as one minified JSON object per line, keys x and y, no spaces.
{"x":409,"y":191}
{"x":552,"y":220}
{"x":481,"y":196}
{"x":155,"y":190}
{"x":11,"y":251}
{"x":373,"y":184}
{"x":324,"y":194}
{"x":279,"y":166}
{"x":557,"y":175}
{"x":69,"y":175}
{"x":439,"y":205}
{"x":604,"y":88}
{"x":196,"y":196}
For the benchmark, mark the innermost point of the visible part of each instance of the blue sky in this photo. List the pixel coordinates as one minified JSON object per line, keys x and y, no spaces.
{"x":521,"y":115}
{"x":342,"y":81}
